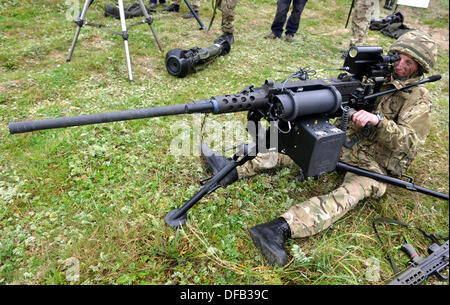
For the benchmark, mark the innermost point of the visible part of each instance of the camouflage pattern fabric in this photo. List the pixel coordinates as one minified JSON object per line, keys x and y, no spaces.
{"x":419,"y":46}
{"x":397,"y":138}
{"x":262,"y":162}
{"x":227,"y":9}
{"x":362,"y":13}
{"x":390,"y":150}
{"x":318,"y":213}
{"x":194,"y":3}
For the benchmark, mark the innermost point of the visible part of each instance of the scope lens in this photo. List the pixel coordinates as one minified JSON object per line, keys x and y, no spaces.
{"x":173,"y":65}
{"x":353,"y":52}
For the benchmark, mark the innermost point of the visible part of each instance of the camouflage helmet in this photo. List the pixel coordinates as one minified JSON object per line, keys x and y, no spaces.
{"x":419,"y":46}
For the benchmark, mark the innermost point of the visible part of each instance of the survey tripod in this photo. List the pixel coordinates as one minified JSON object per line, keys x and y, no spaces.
{"x":80,"y":22}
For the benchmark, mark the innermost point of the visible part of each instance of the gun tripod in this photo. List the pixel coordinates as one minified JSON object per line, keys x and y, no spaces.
{"x":247,"y":152}
{"x":80,"y":22}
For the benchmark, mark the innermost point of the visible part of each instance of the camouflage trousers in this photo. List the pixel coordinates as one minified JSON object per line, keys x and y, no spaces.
{"x":194,"y":3}
{"x":318,"y":213}
{"x":227,"y":8}
{"x":362,"y":13}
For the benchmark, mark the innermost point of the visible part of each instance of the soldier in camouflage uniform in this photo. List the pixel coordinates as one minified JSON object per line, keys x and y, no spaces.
{"x":400,"y":123}
{"x":227,"y":8}
{"x":363,"y":11}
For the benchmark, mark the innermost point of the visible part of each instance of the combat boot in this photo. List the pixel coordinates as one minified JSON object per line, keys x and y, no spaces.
{"x":225,"y":37}
{"x":215,"y":162}
{"x":172,"y":8}
{"x":270,"y":238}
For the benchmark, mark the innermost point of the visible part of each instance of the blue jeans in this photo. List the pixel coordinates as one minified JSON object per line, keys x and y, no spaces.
{"x":281,"y":14}
{"x":160,"y":1}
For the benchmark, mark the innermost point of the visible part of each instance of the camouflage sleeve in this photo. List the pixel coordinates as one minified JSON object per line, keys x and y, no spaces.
{"x":413,"y":124}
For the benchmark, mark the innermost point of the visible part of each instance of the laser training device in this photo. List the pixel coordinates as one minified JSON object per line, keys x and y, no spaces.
{"x":300,"y":110}
{"x":181,"y":62}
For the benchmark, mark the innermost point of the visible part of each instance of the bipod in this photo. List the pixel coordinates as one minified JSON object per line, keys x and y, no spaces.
{"x":177,"y":217}
{"x":81,"y":21}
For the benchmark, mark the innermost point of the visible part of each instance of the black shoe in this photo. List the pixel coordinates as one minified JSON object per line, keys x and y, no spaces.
{"x":172,"y":8}
{"x":225,"y":37}
{"x":270,"y":238}
{"x":215,"y":162}
{"x":190,"y":15}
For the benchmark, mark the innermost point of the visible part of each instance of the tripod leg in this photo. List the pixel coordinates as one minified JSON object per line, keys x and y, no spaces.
{"x":125,"y":38}
{"x":202,"y":27}
{"x":177,"y":217}
{"x":80,"y":22}
{"x":149,"y":20}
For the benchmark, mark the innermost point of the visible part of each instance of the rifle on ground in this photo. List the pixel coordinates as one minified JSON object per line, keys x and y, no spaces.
{"x":422,"y":267}
{"x":419,"y":268}
{"x":299,"y":110}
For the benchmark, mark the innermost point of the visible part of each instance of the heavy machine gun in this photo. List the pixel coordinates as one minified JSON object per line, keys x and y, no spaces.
{"x":300,"y":110}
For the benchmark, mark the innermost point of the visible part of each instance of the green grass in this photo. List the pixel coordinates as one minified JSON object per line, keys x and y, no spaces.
{"x":99,"y":194}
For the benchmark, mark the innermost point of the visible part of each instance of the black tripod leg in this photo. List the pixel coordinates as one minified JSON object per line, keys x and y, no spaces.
{"x":177,"y":217}
{"x":80,"y":22}
{"x":149,"y":20}
{"x":202,"y":27}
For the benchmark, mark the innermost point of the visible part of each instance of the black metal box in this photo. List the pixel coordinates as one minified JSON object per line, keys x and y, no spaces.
{"x":314,"y":145}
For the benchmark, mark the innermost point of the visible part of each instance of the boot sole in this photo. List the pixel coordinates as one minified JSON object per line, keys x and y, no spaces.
{"x":273,"y":256}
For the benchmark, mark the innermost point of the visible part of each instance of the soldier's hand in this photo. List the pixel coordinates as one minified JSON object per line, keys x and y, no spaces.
{"x":362,"y":117}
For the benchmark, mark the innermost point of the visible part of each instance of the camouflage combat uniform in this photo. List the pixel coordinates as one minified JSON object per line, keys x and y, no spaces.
{"x":362,"y":13}
{"x":227,"y":8}
{"x":389,"y":150}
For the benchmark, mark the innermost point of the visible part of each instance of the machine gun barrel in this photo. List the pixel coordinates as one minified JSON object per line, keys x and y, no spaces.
{"x":320,"y":99}
{"x":107,"y":117}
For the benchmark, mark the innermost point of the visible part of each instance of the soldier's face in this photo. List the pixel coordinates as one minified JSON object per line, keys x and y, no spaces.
{"x":406,"y":66}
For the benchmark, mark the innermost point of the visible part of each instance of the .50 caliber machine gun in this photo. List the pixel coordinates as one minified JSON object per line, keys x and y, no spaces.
{"x":301,"y":111}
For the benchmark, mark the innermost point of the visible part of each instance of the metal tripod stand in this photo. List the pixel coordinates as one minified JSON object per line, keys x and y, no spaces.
{"x":80,"y":22}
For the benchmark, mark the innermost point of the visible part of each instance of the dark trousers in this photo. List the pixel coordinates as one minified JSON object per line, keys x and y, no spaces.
{"x":281,"y":14}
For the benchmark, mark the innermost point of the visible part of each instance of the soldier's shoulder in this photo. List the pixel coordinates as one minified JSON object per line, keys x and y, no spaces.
{"x":416,"y":94}
{"x":422,"y":92}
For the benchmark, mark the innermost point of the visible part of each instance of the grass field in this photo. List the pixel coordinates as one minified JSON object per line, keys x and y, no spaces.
{"x":86,"y":205}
